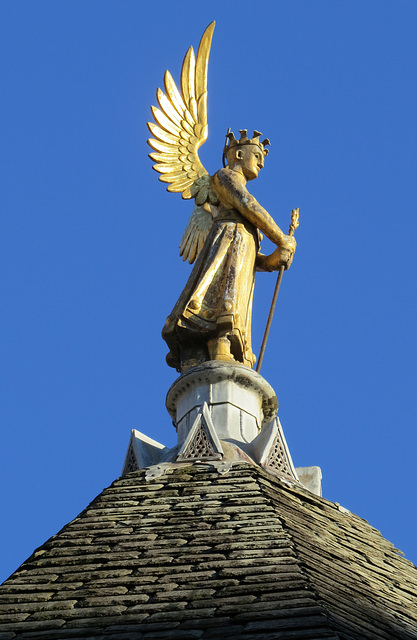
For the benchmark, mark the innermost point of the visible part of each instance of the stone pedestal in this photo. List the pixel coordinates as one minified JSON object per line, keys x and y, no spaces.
{"x":224,"y":413}
{"x":239,"y":400}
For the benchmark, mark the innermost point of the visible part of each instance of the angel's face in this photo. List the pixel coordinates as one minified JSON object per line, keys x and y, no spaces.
{"x":251,"y":161}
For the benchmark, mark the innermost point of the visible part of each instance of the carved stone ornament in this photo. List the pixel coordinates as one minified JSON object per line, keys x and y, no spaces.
{"x":202,"y":442}
{"x":131,"y":463}
{"x":278,"y":457}
{"x":142,"y":452}
{"x":270,"y":450}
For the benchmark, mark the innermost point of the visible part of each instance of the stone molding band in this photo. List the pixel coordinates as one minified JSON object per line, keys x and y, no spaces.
{"x":212,"y":372}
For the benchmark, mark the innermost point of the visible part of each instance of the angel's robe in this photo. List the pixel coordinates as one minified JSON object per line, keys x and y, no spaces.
{"x":217,"y":299}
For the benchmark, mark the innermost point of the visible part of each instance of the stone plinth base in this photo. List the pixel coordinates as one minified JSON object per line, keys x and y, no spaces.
{"x":239,"y":400}
{"x":224,"y":412}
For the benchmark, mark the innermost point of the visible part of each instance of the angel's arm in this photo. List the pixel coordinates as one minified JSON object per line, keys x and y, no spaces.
{"x":231,"y":191}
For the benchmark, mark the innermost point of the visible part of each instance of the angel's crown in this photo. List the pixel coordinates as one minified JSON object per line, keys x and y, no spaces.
{"x":231,"y":141}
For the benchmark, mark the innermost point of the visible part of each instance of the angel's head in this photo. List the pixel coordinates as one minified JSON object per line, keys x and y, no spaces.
{"x":245,"y":154}
{"x":249,"y":159}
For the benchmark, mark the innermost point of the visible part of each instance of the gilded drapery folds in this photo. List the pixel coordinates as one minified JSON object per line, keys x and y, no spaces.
{"x":217,"y":299}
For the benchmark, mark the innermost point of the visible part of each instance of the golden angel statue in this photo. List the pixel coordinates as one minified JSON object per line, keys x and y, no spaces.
{"x":212,"y":317}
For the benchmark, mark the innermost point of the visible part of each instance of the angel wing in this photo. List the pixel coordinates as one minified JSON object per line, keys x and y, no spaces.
{"x":180,"y":126}
{"x":196,"y":232}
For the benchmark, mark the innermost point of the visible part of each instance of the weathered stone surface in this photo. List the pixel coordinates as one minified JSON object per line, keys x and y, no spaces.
{"x":197,"y":554}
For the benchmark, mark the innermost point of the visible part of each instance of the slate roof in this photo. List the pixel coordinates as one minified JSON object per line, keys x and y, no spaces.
{"x":200,"y":554}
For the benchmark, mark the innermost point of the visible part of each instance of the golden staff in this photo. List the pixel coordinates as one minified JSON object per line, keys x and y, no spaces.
{"x":293,"y":226}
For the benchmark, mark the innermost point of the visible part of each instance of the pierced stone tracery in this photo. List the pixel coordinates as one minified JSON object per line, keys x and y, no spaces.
{"x":131,"y":463}
{"x":200,"y":446}
{"x":201,"y":442}
{"x":277,"y":458}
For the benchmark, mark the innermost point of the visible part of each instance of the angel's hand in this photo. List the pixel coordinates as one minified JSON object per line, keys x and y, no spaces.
{"x":289,"y":243}
{"x":281,"y":257}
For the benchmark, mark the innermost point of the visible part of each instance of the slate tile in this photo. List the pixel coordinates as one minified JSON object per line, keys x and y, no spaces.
{"x":195,"y":551}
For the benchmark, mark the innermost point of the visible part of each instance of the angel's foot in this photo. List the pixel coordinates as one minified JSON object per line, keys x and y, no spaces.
{"x":219,"y":349}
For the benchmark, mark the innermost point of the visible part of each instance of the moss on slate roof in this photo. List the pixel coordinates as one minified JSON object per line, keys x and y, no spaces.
{"x":199,"y":554}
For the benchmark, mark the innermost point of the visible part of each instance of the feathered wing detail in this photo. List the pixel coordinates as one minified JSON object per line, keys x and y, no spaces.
{"x":180,"y":126}
{"x":196,"y":232}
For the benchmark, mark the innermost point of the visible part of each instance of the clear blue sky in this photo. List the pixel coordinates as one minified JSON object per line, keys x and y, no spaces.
{"x":89,"y":241}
